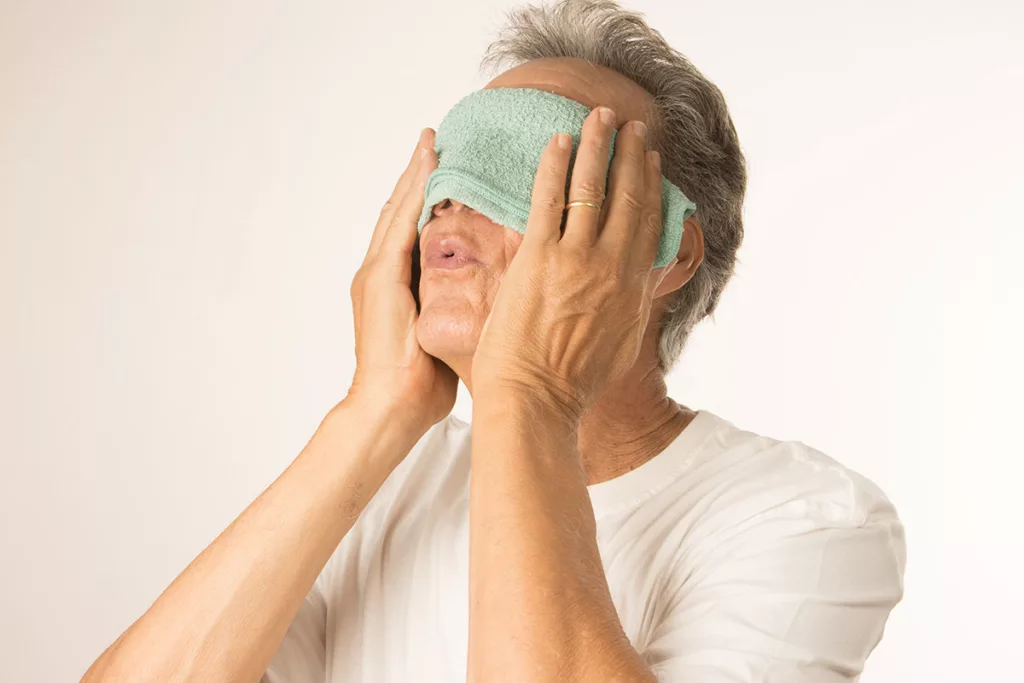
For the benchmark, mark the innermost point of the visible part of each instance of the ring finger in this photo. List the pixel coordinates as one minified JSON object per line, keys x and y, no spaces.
{"x":589,"y":173}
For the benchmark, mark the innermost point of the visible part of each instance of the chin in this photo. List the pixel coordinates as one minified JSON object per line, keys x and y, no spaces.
{"x":448,"y":329}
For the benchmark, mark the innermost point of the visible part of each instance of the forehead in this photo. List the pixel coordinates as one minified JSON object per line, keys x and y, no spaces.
{"x":583,"y":81}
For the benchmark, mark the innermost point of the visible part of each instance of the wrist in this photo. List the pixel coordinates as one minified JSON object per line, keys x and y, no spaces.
{"x":526,"y":401}
{"x":532,"y":424}
{"x":378,"y":408}
{"x":387,"y":433}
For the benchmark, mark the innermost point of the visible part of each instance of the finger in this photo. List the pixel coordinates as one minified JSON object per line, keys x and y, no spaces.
{"x":626,"y":198}
{"x":547,"y":199}
{"x":426,"y":139}
{"x":588,"y":178}
{"x":401,"y":233}
{"x":644,"y":248}
{"x":653,"y":281}
{"x":655,"y":278}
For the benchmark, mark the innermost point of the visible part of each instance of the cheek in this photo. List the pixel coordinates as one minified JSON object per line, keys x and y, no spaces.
{"x":512,"y":241}
{"x":496,"y":273}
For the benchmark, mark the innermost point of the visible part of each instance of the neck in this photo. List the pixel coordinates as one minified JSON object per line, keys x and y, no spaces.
{"x":632,"y":422}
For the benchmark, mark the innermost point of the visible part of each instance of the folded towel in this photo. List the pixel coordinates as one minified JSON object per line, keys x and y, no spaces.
{"x":488,"y":149}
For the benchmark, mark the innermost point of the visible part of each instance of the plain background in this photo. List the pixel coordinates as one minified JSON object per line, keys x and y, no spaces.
{"x":186,"y":189}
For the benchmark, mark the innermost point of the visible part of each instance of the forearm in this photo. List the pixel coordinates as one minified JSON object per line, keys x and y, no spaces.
{"x":223,"y":618}
{"x":540,"y":608}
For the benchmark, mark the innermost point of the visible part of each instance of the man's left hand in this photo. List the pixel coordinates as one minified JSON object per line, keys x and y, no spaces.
{"x":572,"y":308}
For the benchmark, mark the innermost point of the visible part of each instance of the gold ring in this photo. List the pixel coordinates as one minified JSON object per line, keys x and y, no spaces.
{"x":579,"y":203}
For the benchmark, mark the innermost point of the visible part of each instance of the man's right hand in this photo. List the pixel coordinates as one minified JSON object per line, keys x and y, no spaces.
{"x":228,"y":612}
{"x":393,"y":372}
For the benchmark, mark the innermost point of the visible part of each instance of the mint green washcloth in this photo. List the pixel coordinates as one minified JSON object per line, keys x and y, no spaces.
{"x":488,"y":149}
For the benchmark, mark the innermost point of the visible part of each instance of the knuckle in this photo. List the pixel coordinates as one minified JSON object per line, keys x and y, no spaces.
{"x":631,"y":200}
{"x":652,"y":222}
{"x":547,"y":203}
{"x":588,"y":190}
{"x":593,"y":139}
{"x":580,"y":264}
{"x":399,"y":219}
{"x":396,"y":217}
{"x":355,"y":288}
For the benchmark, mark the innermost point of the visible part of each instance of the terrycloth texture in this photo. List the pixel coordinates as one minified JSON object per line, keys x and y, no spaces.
{"x":489,"y":147}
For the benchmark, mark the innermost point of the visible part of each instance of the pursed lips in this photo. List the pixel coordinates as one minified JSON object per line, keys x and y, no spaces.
{"x":447,"y":252}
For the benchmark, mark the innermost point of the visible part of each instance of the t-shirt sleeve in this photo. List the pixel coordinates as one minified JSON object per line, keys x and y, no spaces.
{"x":790,"y":597}
{"x":302,"y":655}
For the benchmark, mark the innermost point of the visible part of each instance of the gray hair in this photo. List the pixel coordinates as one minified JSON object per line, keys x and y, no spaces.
{"x":690,"y":126}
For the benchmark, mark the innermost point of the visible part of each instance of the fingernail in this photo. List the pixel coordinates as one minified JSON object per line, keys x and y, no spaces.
{"x":607,"y":116}
{"x":656,"y":158}
{"x":640,"y":129}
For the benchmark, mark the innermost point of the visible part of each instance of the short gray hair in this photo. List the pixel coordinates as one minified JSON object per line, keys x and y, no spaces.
{"x":690,"y":127}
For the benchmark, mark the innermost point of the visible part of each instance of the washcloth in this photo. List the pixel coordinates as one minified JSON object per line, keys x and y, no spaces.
{"x":489,"y":146}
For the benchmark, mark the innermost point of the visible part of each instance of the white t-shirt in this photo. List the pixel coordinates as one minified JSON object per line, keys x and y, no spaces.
{"x":731,"y":558}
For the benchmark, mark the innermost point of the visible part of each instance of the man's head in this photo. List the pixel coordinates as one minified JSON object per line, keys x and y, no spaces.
{"x":598,"y":54}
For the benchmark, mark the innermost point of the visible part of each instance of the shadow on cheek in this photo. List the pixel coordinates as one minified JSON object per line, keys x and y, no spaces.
{"x":414,"y":283}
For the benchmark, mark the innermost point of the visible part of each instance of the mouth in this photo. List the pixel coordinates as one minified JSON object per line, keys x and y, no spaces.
{"x":448,"y":252}
{"x":448,"y":262}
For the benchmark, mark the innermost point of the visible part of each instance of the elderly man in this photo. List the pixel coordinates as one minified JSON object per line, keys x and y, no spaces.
{"x":587,"y":527}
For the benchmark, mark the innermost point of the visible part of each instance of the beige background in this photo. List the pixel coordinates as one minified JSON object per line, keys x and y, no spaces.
{"x":187,"y":187}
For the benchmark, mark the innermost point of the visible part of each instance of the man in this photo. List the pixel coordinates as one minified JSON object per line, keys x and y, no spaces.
{"x":587,"y":527}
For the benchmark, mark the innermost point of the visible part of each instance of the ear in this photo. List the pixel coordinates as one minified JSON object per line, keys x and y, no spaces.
{"x":690,"y":255}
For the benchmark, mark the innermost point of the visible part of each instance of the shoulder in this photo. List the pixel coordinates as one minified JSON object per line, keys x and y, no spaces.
{"x":756,"y":475}
{"x":788,"y":513}
{"x":779,"y":516}
{"x":783,"y":557}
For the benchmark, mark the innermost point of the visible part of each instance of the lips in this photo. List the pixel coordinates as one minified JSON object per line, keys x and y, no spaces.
{"x":447,"y":251}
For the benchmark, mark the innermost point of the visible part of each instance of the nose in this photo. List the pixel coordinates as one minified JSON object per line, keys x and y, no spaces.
{"x":449,"y":204}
